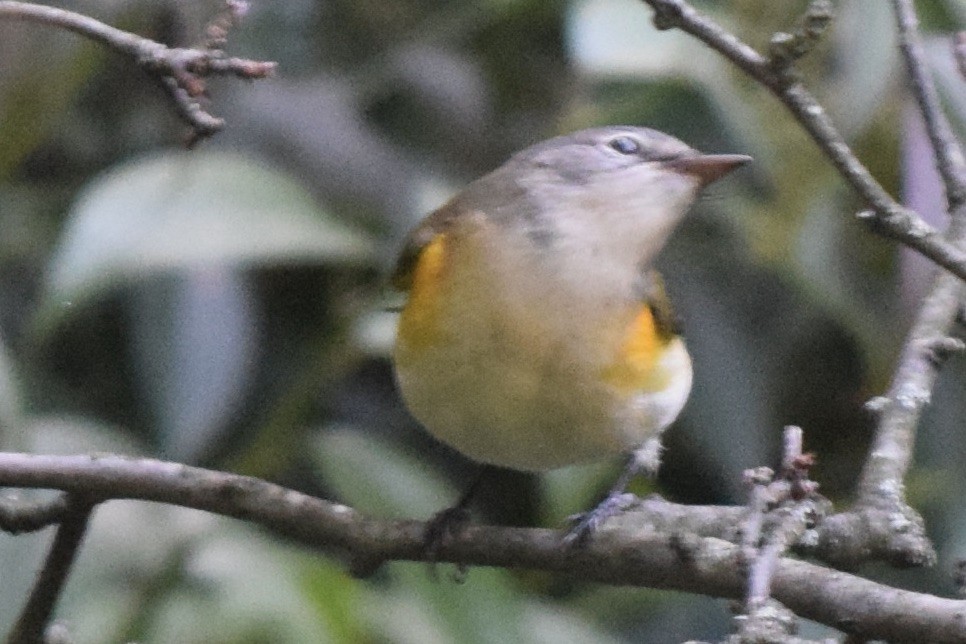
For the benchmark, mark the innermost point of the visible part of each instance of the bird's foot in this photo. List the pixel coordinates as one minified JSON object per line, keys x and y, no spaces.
{"x":584,"y":525}
{"x":445,"y":526}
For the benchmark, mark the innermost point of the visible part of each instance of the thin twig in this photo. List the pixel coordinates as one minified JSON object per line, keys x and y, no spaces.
{"x":888,"y":216}
{"x":772,"y":623}
{"x":758,"y":501}
{"x":780,"y":512}
{"x":39,"y":608}
{"x":949,"y":154}
{"x":18,"y":516}
{"x":959,"y":52}
{"x":181,"y":72}
{"x":630,"y":556}
{"x":793,"y":444}
{"x":785,"y":48}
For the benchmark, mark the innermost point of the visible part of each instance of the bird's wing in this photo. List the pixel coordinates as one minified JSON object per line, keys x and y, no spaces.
{"x":435,"y":224}
{"x":656,"y":299}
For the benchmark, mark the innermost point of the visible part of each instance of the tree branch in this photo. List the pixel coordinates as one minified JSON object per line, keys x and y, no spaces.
{"x":949,"y":154}
{"x":880,"y":524}
{"x":912,"y":384}
{"x":889,"y":218}
{"x":39,"y":608}
{"x":881,"y":487}
{"x":180,"y":71}
{"x":623,"y":554}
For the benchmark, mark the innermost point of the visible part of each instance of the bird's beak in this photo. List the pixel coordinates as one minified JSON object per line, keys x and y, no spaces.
{"x":708,"y":167}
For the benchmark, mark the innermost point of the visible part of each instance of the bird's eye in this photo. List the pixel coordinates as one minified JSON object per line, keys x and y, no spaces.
{"x":625,"y":145}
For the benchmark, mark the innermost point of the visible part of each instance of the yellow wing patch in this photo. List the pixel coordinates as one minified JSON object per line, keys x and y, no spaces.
{"x":419,"y":323}
{"x":637,"y":367}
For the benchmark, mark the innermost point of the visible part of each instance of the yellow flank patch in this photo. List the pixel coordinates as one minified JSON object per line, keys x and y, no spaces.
{"x":418,"y":323}
{"x":637,"y":365}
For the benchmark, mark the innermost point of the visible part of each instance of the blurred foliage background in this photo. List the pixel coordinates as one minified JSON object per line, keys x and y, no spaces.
{"x":226,"y":306}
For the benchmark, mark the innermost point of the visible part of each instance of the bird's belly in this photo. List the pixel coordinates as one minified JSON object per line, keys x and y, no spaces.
{"x":503,"y":409}
{"x":521,"y":388}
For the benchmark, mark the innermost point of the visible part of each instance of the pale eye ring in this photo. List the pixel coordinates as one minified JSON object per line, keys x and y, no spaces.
{"x":625,"y":145}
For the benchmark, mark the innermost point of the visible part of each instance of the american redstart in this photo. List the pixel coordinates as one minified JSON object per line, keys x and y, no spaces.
{"x":536,"y":333}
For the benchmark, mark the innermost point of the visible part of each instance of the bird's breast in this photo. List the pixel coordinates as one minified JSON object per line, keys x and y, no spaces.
{"x":515,"y":363}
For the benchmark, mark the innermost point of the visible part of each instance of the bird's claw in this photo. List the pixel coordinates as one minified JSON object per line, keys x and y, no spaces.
{"x":443,"y":528}
{"x":585,"y":524}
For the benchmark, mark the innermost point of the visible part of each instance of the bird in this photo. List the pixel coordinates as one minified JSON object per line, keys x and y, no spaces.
{"x":536,"y":333}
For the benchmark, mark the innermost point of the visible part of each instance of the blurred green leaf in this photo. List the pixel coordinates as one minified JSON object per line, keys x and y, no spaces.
{"x":20,"y":555}
{"x":949,"y":79}
{"x":11,"y":400}
{"x":571,"y":490}
{"x":195,"y":342}
{"x":488,"y":607}
{"x":244,"y":589}
{"x":611,"y":38}
{"x":864,"y":67}
{"x":551,"y":625}
{"x":338,"y":598}
{"x":155,"y":573}
{"x":958,"y":8}
{"x":377,"y":478}
{"x":36,"y":101}
{"x":421,"y":610}
{"x":183,"y":210}
{"x":64,"y":434}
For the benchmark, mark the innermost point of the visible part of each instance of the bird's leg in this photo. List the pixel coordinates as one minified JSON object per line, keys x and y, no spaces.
{"x":644,"y":460}
{"x":449,"y":522}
